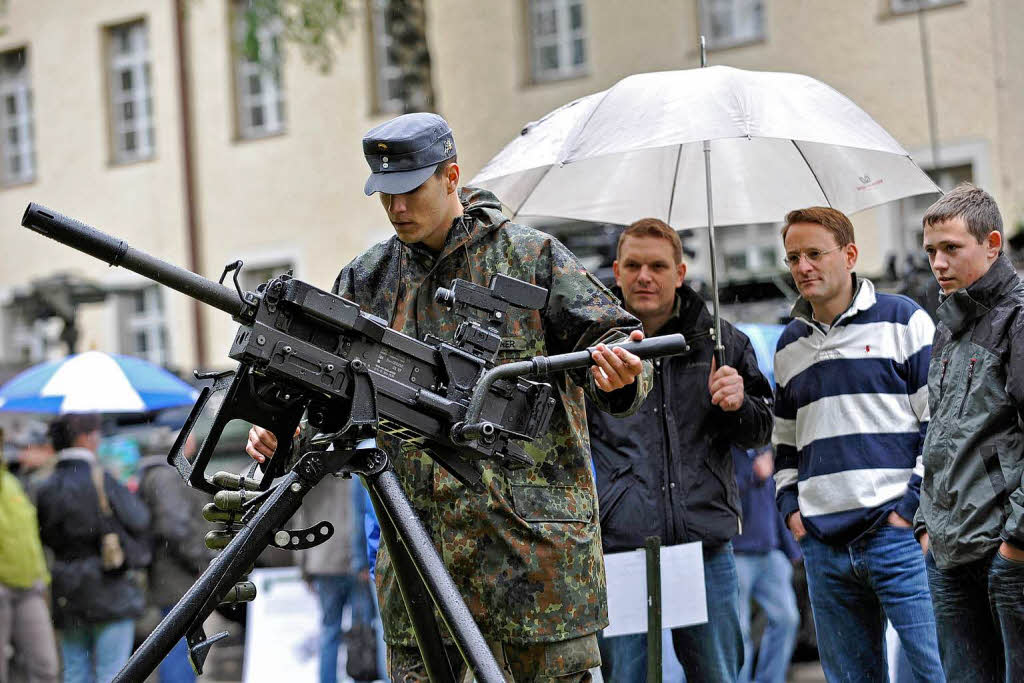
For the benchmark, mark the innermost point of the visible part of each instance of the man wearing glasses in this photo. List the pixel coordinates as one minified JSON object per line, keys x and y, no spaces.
{"x":851,"y":411}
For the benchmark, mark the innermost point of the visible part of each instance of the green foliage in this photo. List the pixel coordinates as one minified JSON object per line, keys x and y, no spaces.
{"x":314,"y":25}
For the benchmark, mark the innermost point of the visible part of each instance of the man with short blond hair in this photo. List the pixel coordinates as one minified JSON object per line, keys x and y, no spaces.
{"x":667,"y":470}
{"x":851,"y":409}
{"x":971,"y":519}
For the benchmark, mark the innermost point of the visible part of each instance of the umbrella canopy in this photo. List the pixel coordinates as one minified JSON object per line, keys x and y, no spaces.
{"x":779,"y":141}
{"x":95,"y":382}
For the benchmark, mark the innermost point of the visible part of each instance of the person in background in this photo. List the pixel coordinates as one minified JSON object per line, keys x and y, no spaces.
{"x":667,"y":471}
{"x":177,"y":532}
{"x":971,"y":519}
{"x":25,"y":625}
{"x":765,"y":553}
{"x":336,"y":569}
{"x":93,"y":606}
{"x":851,"y":410}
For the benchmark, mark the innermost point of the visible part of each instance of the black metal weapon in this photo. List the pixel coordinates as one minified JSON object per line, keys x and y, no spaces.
{"x":302,"y":350}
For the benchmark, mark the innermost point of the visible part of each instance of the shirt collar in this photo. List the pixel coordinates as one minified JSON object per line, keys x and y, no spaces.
{"x":862,"y":301}
{"x":76,"y":453}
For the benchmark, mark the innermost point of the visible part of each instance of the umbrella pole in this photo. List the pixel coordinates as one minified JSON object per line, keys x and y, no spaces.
{"x":719,"y":348}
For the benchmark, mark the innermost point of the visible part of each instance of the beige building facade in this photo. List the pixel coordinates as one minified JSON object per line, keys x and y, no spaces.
{"x":92,"y":121}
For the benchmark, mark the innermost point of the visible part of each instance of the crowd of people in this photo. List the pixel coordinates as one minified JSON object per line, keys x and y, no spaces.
{"x":887,"y":457}
{"x":89,"y":562}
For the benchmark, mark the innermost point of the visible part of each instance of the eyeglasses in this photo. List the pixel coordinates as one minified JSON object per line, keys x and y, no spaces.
{"x":812,"y":256}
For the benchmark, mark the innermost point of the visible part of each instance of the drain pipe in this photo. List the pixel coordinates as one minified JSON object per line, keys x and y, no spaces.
{"x":188,"y":173}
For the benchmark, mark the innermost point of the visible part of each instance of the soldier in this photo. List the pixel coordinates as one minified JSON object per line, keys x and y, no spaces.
{"x":526,"y":553}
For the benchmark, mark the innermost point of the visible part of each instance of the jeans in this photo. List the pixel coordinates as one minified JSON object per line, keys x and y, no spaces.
{"x":25,"y":624}
{"x":334,"y":592}
{"x":175,"y":667}
{"x":708,"y":652}
{"x":767,"y":579}
{"x":979,"y":610}
{"x":94,"y":653}
{"x":854,"y":588}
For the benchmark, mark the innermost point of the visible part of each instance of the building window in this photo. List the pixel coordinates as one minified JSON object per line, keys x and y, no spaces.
{"x":131,"y":92}
{"x":727,"y":23}
{"x":748,"y":251}
{"x":558,"y":47}
{"x":911,"y":210}
{"x":142,"y":325}
{"x":907,"y":6}
{"x":388,"y":96}
{"x":24,"y":342}
{"x":17,"y":143}
{"x":253,"y":276}
{"x":259,"y":93}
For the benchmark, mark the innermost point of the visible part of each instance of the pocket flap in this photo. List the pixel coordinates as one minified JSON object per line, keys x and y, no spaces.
{"x":552,"y":503}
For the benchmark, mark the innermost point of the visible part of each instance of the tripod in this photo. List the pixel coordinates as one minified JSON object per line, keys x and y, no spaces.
{"x":422,"y":578}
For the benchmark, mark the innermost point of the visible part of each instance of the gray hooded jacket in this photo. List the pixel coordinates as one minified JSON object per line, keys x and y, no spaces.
{"x":971,"y":497}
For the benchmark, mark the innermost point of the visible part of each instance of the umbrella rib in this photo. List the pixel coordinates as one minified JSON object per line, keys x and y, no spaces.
{"x":675,"y":179}
{"x":811,"y":169}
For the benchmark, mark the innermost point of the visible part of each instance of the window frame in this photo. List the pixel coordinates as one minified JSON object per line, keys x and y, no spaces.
{"x":138,"y":63}
{"x":563,"y":38}
{"x":270,"y":100}
{"x":151,"y":322}
{"x":896,"y":8}
{"x":16,"y":85}
{"x":385,"y":69}
{"x":736,"y":7}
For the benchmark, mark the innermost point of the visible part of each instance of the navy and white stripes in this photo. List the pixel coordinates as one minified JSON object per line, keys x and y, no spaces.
{"x":851,"y":410}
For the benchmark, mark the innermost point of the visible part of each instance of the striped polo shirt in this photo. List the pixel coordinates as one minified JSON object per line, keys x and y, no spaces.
{"x":851,"y":410}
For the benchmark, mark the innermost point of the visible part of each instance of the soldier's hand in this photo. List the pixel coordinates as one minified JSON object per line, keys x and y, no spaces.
{"x":726,"y":387}
{"x":924,"y":541}
{"x":615,"y":367}
{"x":262,"y":443}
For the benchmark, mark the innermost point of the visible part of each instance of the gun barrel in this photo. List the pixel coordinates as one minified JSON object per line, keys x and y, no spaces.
{"x":116,"y":252}
{"x":653,"y":347}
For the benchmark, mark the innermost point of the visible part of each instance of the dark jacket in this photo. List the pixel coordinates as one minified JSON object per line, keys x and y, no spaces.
{"x":763,"y":528}
{"x":178,"y":531}
{"x":667,"y":470}
{"x":971,"y":497}
{"x":69,"y":524}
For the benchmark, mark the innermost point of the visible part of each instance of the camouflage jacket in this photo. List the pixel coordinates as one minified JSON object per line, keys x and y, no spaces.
{"x":526,"y":553}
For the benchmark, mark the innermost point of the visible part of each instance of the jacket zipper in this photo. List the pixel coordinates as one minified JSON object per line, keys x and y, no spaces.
{"x":970,"y":376}
{"x":942,"y":379}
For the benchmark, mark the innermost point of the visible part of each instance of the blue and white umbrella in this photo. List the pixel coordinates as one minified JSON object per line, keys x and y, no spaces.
{"x":95,"y":382}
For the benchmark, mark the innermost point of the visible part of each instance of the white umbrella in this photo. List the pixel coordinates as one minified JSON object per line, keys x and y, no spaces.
{"x":780,"y":141}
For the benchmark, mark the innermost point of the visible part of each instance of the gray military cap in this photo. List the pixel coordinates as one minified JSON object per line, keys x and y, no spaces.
{"x":403,"y":152}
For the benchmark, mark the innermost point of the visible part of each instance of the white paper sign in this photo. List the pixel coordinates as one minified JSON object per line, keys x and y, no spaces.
{"x":282,"y":627}
{"x":683,"y":601}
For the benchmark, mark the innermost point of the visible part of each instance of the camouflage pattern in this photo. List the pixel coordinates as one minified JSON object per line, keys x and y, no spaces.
{"x":526,"y":553}
{"x":566,"y":661}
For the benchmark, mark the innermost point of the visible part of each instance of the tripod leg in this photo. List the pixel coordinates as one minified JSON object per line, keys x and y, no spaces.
{"x":389,"y":498}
